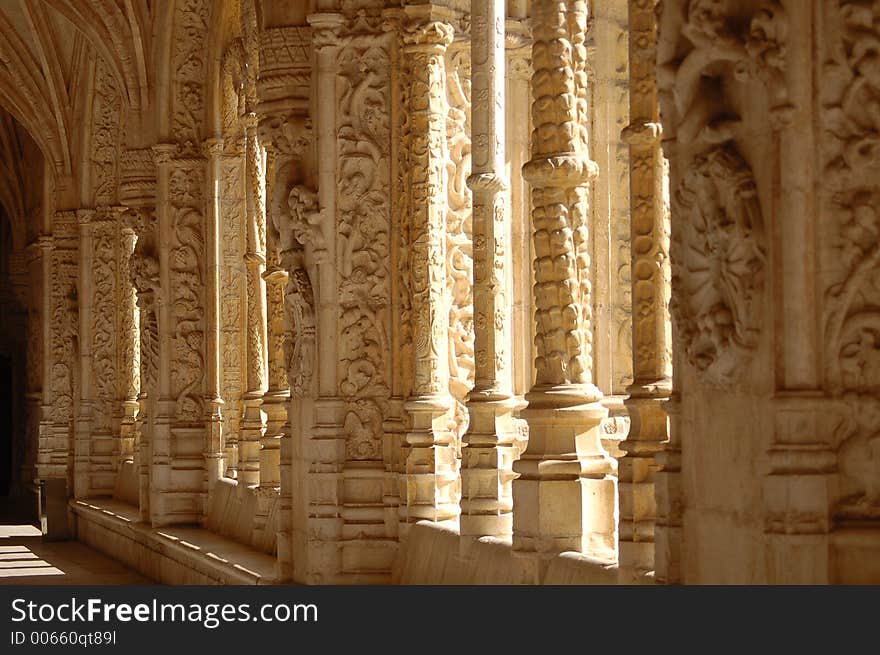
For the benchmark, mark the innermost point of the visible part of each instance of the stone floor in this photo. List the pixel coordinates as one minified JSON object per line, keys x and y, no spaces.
{"x":25,"y":559}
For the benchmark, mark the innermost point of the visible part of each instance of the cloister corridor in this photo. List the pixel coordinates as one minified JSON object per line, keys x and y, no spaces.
{"x":380,"y":292}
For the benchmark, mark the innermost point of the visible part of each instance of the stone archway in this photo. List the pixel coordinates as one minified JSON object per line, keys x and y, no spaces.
{"x":20,"y":320}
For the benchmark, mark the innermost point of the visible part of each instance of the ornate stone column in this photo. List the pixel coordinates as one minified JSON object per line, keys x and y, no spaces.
{"x":165,"y":405}
{"x":651,"y":278}
{"x":138,"y":193}
{"x":285,"y":83}
{"x":566,"y":496}
{"x":253,"y":423}
{"x":317,"y":412}
{"x":486,"y":502}
{"x":276,"y":397}
{"x":82,"y":449}
{"x":60,"y":270}
{"x":213,"y":454}
{"x":106,"y":409}
{"x":178,"y":490}
{"x":747,"y":373}
{"x":35,"y":354}
{"x":428,"y":489}
{"x":518,"y":73}
{"x":128,"y":322}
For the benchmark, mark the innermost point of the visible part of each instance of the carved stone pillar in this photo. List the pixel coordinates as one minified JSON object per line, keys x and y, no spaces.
{"x":253,"y":423}
{"x":428,"y":487}
{"x":747,"y":422}
{"x":128,"y":325}
{"x":145,"y":280}
{"x":55,"y":458}
{"x":317,"y":412}
{"x":566,"y":496}
{"x":608,"y":100}
{"x":213,"y":453}
{"x":137,"y":192}
{"x":486,"y":502}
{"x":651,"y":276}
{"x":285,"y":83}
{"x":276,"y":397}
{"x":82,"y":449}
{"x":178,"y":440}
{"x":34,"y":357}
{"x":363,"y":279}
{"x":518,"y":74}
{"x":103,"y":307}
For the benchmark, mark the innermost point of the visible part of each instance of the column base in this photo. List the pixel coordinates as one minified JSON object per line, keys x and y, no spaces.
{"x":648,"y":433}
{"x":252,"y":431}
{"x":429,"y":490}
{"x":487,"y":468}
{"x":566,"y":495}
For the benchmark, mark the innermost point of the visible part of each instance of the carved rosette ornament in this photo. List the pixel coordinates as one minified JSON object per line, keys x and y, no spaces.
{"x":718,"y":243}
{"x":718,"y":265}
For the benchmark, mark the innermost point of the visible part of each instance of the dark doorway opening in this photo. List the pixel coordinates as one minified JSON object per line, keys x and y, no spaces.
{"x":6,"y":435}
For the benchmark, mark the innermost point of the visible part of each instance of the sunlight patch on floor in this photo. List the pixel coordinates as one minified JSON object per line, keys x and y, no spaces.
{"x":20,"y":561}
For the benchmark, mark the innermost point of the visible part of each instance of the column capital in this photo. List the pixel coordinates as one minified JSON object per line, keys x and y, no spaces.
{"x":164,"y":152}
{"x":490,"y":182}
{"x":325,"y":29}
{"x":567,"y":169}
{"x":213,"y":146}
{"x":85,"y":216}
{"x":427,"y":28}
{"x":642,"y":133}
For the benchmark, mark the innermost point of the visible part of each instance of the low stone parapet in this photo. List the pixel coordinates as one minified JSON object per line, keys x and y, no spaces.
{"x":169,"y":555}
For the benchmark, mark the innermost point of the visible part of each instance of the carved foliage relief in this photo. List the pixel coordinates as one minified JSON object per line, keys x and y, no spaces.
{"x":187,"y":265}
{"x":459,"y":231}
{"x":231,"y":291}
{"x":851,"y":252}
{"x":191,"y":28}
{"x":129,"y":358}
{"x":718,"y":263}
{"x":187,"y":223}
{"x":64,"y":316}
{"x":106,"y":113}
{"x":105,"y":234}
{"x":425,"y":140}
{"x":364,"y":242}
{"x":718,"y":241}
{"x":296,"y":226}
{"x":144,"y":272}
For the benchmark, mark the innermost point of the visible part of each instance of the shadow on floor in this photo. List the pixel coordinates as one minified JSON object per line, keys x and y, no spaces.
{"x":25,"y":559}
